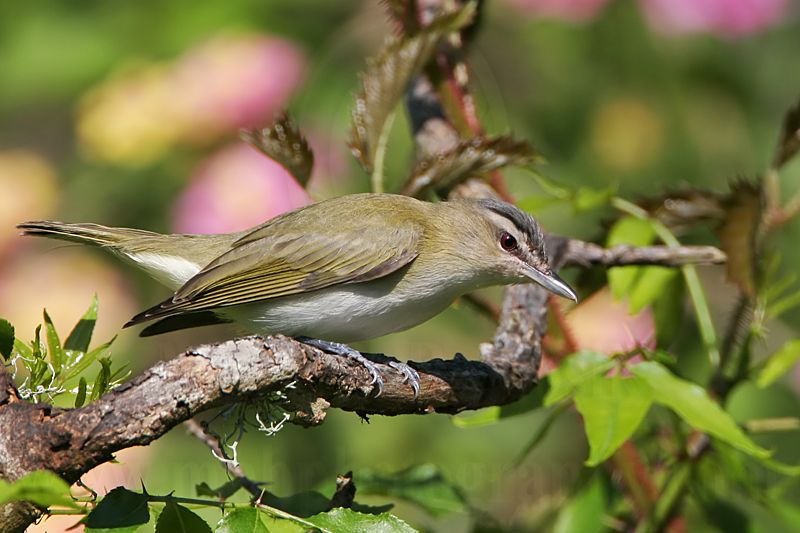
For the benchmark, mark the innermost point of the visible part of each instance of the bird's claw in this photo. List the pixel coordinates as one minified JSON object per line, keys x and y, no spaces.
{"x":339,"y":348}
{"x":410,"y":375}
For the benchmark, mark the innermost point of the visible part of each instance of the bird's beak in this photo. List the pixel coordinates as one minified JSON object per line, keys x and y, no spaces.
{"x":552,"y":282}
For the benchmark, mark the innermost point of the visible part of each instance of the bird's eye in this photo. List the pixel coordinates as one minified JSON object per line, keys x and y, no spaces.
{"x":507,"y":241}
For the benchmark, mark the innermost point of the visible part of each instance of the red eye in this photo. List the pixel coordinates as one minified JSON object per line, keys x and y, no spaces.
{"x":507,"y":241}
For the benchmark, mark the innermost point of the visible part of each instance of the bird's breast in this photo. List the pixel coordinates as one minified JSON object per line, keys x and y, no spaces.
{"x":348,"y":313}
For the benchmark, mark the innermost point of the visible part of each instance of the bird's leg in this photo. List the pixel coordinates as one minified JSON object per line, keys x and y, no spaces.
{"x":409,"y":374}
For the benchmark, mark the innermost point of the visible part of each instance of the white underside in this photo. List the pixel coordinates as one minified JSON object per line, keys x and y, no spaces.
{"x":167,"y":269}
{"x":344,"y":314}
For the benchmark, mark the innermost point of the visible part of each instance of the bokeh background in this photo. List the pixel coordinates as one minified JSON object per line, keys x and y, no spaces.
{"x":128,"y":113}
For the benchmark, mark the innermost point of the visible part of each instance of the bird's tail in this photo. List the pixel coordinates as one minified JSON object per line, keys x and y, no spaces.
{"x":83,"y":233}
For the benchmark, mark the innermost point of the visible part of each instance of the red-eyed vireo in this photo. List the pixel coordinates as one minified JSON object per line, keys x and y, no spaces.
{"x":345,"y":269}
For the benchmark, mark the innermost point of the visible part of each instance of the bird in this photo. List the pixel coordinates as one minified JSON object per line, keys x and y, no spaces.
{"x":341,"y":270}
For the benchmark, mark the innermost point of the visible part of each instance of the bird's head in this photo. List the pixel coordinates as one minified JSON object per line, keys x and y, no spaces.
{"x":513,"y":245}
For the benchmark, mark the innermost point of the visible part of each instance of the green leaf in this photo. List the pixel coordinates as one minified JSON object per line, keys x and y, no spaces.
{"x":386,"y":78}
{"x":473,"y":157}
{"x":284,"y":143}
{"x":80,"y":397}
{"x":483,"y":417}
{"x":6,"y":338}
{"x":575,"y":370}
{"x":612,"y":409}
{"x":81,"y":335}
{"x":584,"y":511}
{"x":178,"y":519}
{"x":693,"y":405}
{"x":632,"y":231}
{"x":533,"y":204}
{"x":119,"y":508}
{"x":246,"y":520}
{"x":779,"y":363}
{"x":650,"y":286}
{"x":38,"y":367}
{"x":103,"y":378}
{"x":668,"y":312}
{"x":341,"y":519}
{"x":87,"y":359}
{"x":42,"y":487}
{"x":53,"y":343}
{"x":422,"y":484}
{"x":23,"y":349}
{"x":38,"y":349}
{"x":586,"y":198}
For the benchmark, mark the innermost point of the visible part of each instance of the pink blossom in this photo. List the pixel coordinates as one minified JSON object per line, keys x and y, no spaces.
{"x":229,"y":83}
{"x":63,"y":280}
{"x":331,"y":163}
{"x":604,"y":324}
{"x":234,"y":189}
{"x":30,"y":191}
{"x":726,"y":18}
{"x":571,"y":10}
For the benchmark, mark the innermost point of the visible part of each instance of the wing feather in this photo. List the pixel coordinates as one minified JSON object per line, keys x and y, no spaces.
{"x":271,"y":262}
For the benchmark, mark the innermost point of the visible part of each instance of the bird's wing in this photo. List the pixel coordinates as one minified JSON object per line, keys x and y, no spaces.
{"x":268,"y":263}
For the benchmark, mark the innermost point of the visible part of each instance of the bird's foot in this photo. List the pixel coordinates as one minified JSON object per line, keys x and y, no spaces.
{"x":409,"y":374}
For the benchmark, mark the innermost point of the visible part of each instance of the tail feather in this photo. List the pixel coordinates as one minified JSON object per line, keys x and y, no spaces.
{"x":82,"y":233}
{"x":184,"y":321}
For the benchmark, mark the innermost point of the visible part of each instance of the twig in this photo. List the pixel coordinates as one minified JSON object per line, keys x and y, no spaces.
{"x":194,"y":428}
{"x":582,"y":253}
{"x":345,"y":491}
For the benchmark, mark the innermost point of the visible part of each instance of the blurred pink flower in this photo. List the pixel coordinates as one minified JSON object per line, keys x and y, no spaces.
{"x":603,"y":324}
{"x":331,"y":163}
{"x":30,"y":192}
{"x":234,"y":82}
{"x":234,"y":189}
{"x":226,"y":83}
{"x":725,"y":18}
{"x":64,"y":279}
{"x":571,"y":10}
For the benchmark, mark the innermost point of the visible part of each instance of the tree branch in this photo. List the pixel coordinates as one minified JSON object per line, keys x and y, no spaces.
{"x":584,"y":254}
